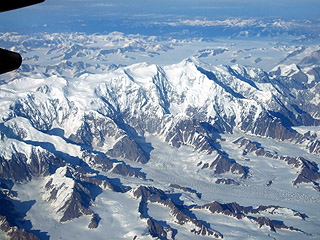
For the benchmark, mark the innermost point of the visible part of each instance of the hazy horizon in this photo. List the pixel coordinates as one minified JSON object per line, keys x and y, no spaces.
{"x":126,"y":16}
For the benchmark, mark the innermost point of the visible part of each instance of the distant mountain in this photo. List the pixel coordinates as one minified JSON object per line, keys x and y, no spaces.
{"x":313,"y":59}
{"x":243,"y":27}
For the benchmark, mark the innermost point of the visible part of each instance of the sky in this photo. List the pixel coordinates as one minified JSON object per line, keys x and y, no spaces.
{"x":138,"y":16}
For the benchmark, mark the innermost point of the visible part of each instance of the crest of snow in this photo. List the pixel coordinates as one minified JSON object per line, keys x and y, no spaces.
{"x":311,"y":77}
{"x":242,"y":70}
{"x":33,"y":134}
{"x":316,"y":98}
{"x":236,"y":22}
{"x":192,"y":88}
{"x":287,"y":70}
{"x":286,"y":212}
{"x":11,"y":146}
{"x":23,"y":87}
{"x":62,"y":184}
{"x":304,"y":129}
{"x":283,"y":24}
{"x":136,"y":88}
{"x":72,"y":124}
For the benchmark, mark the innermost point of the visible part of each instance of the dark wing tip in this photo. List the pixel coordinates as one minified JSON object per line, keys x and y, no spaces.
{"x":7,"y":5}
{"x":9,"y":61}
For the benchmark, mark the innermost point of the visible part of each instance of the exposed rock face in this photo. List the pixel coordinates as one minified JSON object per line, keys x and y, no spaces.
{"x":94,"y":223}
{"x":14,"y":232}
{"x":99,"y":161}
{"x":269,"y":126}
{"x":125,"y":170}
{"x":230,"y":209}
{"x":240,"y":212}
{"x":300,"y":85}
{"x":43,"y":109}
{"x":224,"y":165}
{"x":96,"y":130}
{"x":227,"y":181}
{"x":159,"y":232}
{"x":263,"y":221}
{"x":313,"y":59}
{"x":314,"y":147}
{"x":191,"y":133}
{"x":186,"y":189}
{"x":308,"y":171}
{"x":102,"y":132}
{"x":128,"y":149}
{"x":20,"y":167}
{"x":154,"y":195}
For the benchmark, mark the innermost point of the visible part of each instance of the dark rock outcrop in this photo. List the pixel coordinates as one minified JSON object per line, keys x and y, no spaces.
{"x":226,"y":181}
{"x":72,"y":190}
{"x":191,"y":132}
{"x":128,"y":149}
{"x":94,"y":222}
{"x":313,"y":59}
{"x":41,"y":110}
{"x":158,"y":231}
{"x":125,"y":170}
{"x":273,"y":225}
{"x":240,"y":212}
{"x":268,"y":125}
{"x":102,"y":162}
{"x":180,"y":213}
{"x":186,"y":189}
{"x":308,"y":171}
{"x":96,"y":130}
{"x":314,"y":147}
{"x":97,"y":161}
{"x":222,"y":164}
{"x":14,"y":232}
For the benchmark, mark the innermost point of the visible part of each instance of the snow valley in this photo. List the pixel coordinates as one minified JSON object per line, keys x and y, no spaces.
{"x":137,"y":137}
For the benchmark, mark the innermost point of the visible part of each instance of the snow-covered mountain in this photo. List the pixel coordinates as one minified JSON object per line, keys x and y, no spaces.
{"x":179,"y":151}
{"x":244,"y":27}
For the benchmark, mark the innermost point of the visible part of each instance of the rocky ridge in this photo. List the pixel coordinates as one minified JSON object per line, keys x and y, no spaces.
{"x":154,"y":195}
{"x":308,"y":171}
{"x":240,"y":212}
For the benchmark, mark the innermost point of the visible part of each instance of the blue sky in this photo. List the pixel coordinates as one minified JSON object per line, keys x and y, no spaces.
{"x":133,"y":16}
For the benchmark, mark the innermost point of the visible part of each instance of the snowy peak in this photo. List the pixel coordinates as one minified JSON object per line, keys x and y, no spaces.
{"x":286,"y":70}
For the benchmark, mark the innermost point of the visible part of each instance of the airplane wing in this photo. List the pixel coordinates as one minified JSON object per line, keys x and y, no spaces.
{"x":11,"y":60}
{"x":7,"y":5}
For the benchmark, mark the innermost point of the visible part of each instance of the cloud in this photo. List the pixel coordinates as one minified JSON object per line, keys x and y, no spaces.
{"x":102,"y":5}
{"x":235,"y":22}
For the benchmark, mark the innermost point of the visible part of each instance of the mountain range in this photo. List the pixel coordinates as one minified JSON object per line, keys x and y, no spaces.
{"x":179,"y":151}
